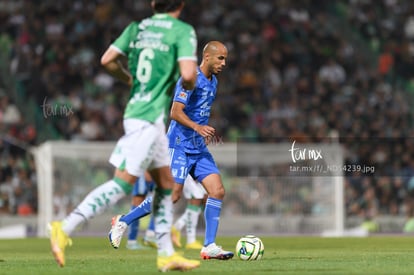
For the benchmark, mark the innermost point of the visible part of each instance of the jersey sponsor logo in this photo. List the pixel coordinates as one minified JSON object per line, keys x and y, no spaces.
{"x":156,"y":45}
{"x":179,"y":161}
{"x":141,"y":97}
{"x":183,"y":95}
{"x":156,"y":23}
{"x":205,"y":113}
{"x":149,"y":35}
{"x":204,"y":94}
{"x":205,"y":109}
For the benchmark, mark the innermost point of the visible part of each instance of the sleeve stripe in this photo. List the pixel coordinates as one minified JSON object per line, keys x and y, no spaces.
{"x":117,"y":49}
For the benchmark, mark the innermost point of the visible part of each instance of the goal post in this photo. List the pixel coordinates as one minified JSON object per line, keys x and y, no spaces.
{"x":310,"y":176}
{"x":56,"y":166}
{"x":266,"y":191}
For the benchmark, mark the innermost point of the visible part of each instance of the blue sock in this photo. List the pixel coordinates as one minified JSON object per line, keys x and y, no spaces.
{"x":151,"y":225}
{"x":133,"y":228}
{"x":211,"y":216}
{"x":138,"y":212}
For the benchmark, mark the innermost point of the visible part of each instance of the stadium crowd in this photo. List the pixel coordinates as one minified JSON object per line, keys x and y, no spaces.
{"x":295,"y":71}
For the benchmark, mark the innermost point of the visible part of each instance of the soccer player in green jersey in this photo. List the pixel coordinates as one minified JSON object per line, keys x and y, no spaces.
{"x":159,"y":49}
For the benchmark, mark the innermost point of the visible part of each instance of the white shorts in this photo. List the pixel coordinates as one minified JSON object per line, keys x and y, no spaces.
{"x":193,"y":189}
{"x":144,"y":146}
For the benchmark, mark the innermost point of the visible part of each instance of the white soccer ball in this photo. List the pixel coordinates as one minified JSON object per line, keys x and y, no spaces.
{"x":249,"y":248}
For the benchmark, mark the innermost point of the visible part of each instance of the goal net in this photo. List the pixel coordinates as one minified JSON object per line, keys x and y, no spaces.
{"x":270,"y":188}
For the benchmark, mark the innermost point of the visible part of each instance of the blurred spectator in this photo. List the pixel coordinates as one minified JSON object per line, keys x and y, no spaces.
{"x":332,"y":72}
{"x":9,"y":113}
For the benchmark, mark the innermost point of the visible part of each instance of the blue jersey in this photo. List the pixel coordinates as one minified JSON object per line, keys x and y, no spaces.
{"x":197,"y":107}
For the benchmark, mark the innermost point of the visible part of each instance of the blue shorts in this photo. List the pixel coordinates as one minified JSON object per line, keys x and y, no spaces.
{"x":142,"y":187}
{"x":198,"y":166}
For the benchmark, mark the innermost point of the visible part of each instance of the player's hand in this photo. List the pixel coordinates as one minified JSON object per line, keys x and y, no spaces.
{"x":177,"y":191}
{"x":129,"y":83}
{"x":205,"y":131}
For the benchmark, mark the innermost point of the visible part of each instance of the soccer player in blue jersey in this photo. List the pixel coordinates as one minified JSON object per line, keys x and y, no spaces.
{"x":189,"y":134}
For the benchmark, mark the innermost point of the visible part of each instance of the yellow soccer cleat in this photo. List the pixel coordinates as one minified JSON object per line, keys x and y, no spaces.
{"x":176,"y":237}
{"x":194,"y":245}
{"x":176,"y":262}
{"x":150,"y":241}
{"x":58,"y":242}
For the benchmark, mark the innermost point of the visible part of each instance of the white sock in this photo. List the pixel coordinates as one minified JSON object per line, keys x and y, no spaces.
{"x":193,"y":213}
{"x":131,"y":242}
{"x":179,"y":224}
{"x":163,"y":216}
{"x":94,"y":203}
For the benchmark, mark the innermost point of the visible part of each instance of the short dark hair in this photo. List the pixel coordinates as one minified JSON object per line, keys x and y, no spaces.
{"x":162,"y":6}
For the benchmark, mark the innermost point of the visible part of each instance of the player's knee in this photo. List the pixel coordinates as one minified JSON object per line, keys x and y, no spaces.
{"x":218,"y":193}
{"x":125,"y":176}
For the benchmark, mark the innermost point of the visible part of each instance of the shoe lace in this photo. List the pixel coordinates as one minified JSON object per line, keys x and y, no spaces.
{"x":216,"y":249}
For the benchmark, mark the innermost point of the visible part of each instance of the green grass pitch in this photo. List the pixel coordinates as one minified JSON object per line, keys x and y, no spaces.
{"x":283,"y":255}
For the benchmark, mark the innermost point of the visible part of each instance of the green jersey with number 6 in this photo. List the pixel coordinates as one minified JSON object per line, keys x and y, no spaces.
{"x":153,"y":47}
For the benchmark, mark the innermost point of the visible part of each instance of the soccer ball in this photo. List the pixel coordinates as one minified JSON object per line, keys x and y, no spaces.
{"x":249,"y":248}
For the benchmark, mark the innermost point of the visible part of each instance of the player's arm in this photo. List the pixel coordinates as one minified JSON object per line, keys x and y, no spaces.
{"x":188,"y":71}
{"x":112,"y":63}
{"x":187,"y":56}
{"x":177,"y":113}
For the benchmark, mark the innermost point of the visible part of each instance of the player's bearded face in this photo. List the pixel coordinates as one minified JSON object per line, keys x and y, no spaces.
{"x":217,"y":65}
